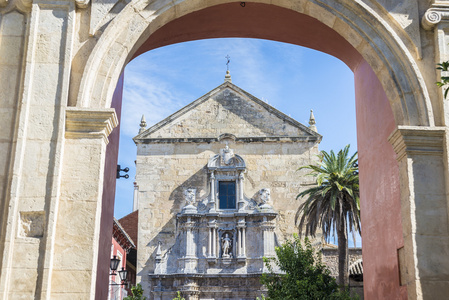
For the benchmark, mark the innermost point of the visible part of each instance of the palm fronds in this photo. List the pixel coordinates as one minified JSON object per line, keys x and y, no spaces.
{"x":335,"y":199}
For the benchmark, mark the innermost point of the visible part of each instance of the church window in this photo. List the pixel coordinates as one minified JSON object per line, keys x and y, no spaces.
{"x":227,"y":194}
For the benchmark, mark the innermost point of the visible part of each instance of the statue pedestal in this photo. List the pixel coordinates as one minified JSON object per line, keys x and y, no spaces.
{"x":226,"y":261}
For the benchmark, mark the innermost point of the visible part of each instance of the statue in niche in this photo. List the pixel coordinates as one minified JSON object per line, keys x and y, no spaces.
{"x":226,"y":246}
{"x":190,"y":196}
{"x":227,"y":155}
{"x":265,"y":195}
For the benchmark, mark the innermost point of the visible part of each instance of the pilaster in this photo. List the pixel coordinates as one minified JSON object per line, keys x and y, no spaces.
{"x":34,"y":174}
{"x":190,"y":260}
{"x":80,"y":204}
{"x":268,"y":227}
{"x":436,"y":18}
{"x":421,"y":154}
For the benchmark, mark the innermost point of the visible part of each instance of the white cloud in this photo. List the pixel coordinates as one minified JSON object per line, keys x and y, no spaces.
{"x":144,"y":94}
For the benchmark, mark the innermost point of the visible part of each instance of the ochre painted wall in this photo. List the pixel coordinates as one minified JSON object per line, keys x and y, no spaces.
{"x":379,"y":185}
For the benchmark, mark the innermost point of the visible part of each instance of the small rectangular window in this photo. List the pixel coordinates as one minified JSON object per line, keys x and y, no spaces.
{"x":226,"y":194}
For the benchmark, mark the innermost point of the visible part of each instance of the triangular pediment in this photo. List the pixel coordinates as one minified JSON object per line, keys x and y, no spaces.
{"x":227,"y":109}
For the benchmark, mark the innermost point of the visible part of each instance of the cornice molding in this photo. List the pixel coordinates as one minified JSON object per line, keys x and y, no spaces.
{"x":416,"y":140}
{"x":88,"y":123}
{"x":274,"y":139}
{"x":438,"y":12}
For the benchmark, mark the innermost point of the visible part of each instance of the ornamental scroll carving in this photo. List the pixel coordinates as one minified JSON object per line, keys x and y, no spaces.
{"x":434,"y":15}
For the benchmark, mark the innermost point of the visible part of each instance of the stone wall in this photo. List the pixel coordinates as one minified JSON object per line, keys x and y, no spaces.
{"x":226,"y":111}
{"x":164,"y":171}
{"x":60,"y":63}
{"x":330,"y":259}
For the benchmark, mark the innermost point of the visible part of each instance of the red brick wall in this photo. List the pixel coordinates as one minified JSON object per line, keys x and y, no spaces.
{"x":129,"y":223}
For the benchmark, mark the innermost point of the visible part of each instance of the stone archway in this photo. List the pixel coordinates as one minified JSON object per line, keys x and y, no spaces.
{"x":392,"y":69}
{"x":361,"y":28}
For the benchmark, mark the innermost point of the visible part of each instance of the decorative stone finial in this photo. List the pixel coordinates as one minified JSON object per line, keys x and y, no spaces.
{"x":143,"y":124}
{"x":158,"y":252}
{"x":312,"y":121}
{"x":228,"y":76}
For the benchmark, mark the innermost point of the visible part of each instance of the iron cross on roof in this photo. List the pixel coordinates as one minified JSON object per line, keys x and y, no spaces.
{"x":228,"y":60}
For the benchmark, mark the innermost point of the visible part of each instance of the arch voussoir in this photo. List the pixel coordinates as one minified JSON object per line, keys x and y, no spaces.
{"x":357,"y":24}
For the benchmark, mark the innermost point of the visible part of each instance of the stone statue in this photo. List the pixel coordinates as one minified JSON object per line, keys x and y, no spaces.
{"x":265,"y":195}
{"x":227,"y":155}
{"x":190,"y":196}
{"x":226,"y":245}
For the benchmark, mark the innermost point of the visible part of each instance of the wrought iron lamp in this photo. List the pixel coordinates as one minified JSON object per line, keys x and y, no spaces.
{"x":114,"y":264}
{"x":123,"y":274}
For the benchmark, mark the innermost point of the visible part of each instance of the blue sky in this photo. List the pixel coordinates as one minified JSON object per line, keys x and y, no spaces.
{"x":291,"y":78}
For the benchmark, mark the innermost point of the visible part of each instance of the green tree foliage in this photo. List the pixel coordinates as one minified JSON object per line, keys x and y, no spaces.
{"x":179,"y":297}
{"x":137,"y":293}
{"x":444,"y":66}
{"x":333,"y":204}
{"x":303,"y":276}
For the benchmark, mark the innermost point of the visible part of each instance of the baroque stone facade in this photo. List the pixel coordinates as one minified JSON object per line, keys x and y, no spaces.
{"x":61,"y":65}
{"x":221,"y":198}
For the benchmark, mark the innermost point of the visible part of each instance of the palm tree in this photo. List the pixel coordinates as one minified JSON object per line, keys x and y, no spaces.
{"x":333,"y":204}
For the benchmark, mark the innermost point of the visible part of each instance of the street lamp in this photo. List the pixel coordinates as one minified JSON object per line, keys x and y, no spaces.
{"x":123,"y":274}
{"x":114,"y":264}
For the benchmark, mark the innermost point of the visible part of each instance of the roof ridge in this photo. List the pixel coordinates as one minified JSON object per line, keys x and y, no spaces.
{"x":205,"y":97}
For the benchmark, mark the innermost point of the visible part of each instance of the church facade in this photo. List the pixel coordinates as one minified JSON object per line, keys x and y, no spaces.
{"x":217,"y":184}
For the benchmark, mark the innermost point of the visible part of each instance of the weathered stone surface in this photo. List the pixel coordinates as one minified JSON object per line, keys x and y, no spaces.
{"x":227,"y":109}
{"x":167,"y":168}
{"x":46,"y":47}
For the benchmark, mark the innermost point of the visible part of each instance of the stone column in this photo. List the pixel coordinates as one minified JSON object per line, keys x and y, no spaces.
{"x":268,"y":237}
{"x":240,"y":196}
{"x":244,"y":241}
{"x":423,"y":166}
{"x":214,"y":241}
{"x":241,"y":229}
{"x":238,"y":235}
{"x":190,"y":243}
{"x":136,"y":197}
{"x":212,"y":249}
{"x":209,"y":246}
{"x":190,"y":259}
{"x":212,"y":193}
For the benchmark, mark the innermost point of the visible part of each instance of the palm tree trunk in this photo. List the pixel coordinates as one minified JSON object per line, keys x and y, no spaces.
{"x":343,"y":276}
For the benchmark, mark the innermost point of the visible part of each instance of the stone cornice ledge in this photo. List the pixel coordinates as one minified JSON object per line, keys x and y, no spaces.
{"x":435,"y":14}
{"x":417,"y":140}
{"x":89,"y":123}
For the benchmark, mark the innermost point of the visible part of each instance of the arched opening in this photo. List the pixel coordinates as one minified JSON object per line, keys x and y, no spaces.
{"x":388,"y":91}
{"x":279,"y":24}
{"x":189,"y":65}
